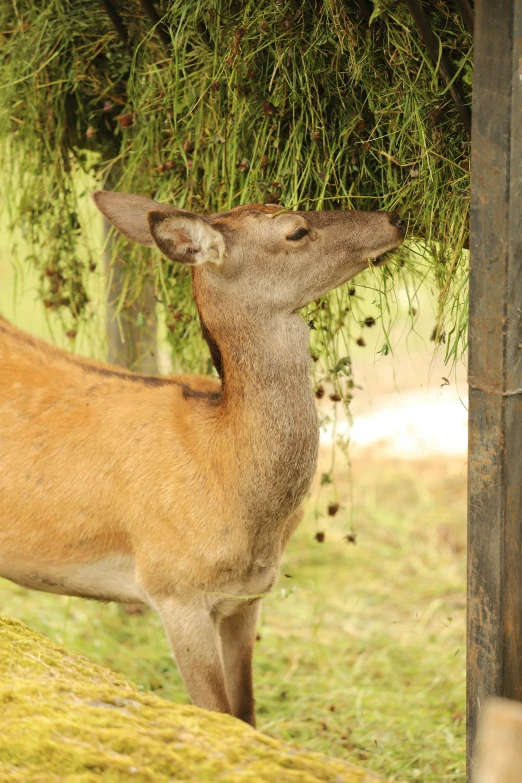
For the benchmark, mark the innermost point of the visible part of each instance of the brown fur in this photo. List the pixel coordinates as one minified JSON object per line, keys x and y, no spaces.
{"x":180,"y":492}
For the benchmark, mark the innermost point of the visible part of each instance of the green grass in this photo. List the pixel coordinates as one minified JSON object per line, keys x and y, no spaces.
{"x":303,"y":104}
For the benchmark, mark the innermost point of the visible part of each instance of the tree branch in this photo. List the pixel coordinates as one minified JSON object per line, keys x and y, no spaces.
{"x":366,"y":9}
{"x":444,"y":67}
{"x":116,"y":20}
{"x":466,"y":11}
{"x":160,"y":30}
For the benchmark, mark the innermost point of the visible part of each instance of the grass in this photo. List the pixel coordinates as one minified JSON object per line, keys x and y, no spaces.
{"x":303,"y":104}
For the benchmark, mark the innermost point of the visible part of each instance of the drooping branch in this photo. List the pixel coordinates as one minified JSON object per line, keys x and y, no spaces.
{"x":466,"y":11}
{"x":116,"y":20}
{"x":444,"y":68}
{"x":151,"y":12}
{"x":365,"y":7}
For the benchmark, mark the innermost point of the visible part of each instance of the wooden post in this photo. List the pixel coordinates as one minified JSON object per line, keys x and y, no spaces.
{"x":495,"y":362}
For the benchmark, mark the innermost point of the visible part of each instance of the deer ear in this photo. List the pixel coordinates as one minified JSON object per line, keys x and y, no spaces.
{"x":128,"y":213}
{"x":186,"y":238}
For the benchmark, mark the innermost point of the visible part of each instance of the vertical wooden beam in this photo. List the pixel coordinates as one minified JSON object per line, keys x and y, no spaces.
{"x":495,"y":362}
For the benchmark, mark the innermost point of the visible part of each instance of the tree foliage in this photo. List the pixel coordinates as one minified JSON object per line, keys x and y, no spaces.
{"x":224,"y":102}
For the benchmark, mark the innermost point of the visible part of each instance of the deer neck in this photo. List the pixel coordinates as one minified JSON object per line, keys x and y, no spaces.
{"x":267,"y":410}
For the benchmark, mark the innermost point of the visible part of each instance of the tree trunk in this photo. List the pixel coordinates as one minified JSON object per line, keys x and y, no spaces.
{"x":131,"y":334}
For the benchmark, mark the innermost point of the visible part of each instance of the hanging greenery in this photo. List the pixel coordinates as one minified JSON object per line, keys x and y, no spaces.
{"x":312,"y":105}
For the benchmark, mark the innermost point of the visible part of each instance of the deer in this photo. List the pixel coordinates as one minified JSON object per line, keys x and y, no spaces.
{"x":182,"y":492}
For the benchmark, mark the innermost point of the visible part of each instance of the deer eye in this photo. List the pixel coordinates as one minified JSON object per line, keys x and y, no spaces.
{"x":298,"y":234}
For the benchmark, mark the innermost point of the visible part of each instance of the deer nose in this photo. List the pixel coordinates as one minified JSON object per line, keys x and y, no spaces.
{"x":398,"y":222}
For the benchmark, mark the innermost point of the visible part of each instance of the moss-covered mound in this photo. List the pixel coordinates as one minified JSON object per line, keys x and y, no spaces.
{"x":63,"y":718}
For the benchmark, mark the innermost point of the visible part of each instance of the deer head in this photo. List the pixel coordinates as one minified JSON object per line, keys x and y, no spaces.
{"x":257,"y":258}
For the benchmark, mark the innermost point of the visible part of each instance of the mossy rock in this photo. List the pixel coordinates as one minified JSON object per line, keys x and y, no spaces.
{"x":62,"y":718}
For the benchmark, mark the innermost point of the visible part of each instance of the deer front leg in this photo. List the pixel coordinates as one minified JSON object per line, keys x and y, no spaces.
{"x":196,"y":645}
{"x":238,"y":635}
